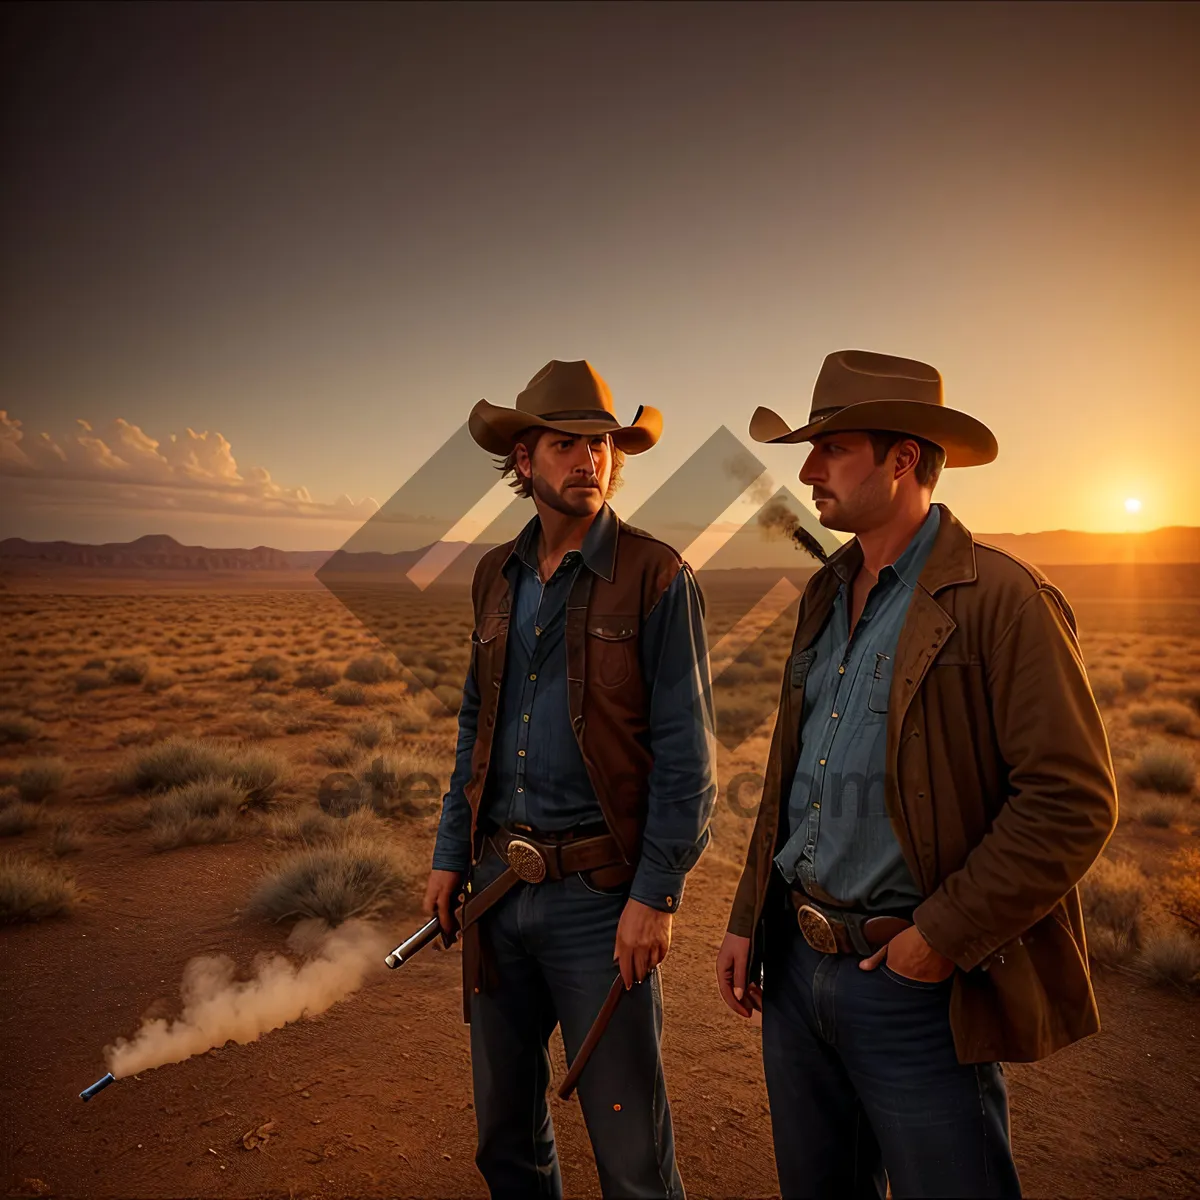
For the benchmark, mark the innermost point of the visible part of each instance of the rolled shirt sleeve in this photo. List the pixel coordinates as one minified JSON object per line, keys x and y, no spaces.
{"x":452,"y":850}
{"x":682,"y":785}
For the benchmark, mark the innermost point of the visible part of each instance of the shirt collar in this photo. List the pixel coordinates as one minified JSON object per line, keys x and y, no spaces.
{"x":845,"y":561}
{"x":599,"y":549}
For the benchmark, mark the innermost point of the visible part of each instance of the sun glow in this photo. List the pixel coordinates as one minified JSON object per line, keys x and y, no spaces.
{"x":1133,"y":505}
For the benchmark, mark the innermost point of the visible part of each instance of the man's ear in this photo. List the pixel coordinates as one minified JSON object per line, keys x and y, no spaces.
{"x":522,"y":461}
{"x":908,"y":454}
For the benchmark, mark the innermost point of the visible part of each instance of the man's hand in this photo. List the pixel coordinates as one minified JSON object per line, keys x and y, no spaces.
{"x":731,"y":976}
{"x":643,"y":939}
{"x":441,"y":894}
{"x":910,"y":955}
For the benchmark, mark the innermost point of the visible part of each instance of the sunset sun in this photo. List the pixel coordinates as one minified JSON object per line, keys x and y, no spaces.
{"x":1133,"y":504}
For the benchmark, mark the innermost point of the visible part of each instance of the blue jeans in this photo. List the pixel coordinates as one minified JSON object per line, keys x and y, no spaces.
{"x":552,"y":943}
{"x":863,"y":1079}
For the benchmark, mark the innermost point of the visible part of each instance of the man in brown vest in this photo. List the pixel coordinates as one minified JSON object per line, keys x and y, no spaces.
{"x":581,"y":794}
{"x":939,"y":780}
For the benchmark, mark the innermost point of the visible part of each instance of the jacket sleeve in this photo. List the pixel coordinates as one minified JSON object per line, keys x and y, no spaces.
{"x":1062,"y":802}
{"x":452,"y":849}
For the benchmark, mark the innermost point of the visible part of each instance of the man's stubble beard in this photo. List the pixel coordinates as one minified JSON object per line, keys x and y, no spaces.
{"x":561,"y":501}
{"x":854,"y":515}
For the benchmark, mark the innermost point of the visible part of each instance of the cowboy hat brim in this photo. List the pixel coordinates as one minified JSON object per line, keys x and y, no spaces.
{"x":495,"y":428}
{"x":968,"y":442}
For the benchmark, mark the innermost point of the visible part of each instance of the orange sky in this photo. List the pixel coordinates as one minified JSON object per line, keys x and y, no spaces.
{"x":254,"y":282}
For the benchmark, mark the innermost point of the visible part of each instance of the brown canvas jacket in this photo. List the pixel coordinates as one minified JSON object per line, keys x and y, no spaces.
{"x":999,"y":786}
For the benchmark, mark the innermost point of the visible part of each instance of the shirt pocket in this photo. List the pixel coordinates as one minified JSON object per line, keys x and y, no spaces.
{"x":611,"y":649}
{"x":880,"y":688}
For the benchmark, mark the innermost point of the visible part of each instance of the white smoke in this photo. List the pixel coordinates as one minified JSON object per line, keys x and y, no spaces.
{"x":218,"y":1008}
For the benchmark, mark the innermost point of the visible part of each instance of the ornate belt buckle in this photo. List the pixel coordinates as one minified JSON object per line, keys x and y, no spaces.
{"x":817,"y":931}
{"x":526,"y":861}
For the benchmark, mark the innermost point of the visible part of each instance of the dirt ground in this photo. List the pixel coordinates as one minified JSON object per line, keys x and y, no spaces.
{"x":372,"y":1097}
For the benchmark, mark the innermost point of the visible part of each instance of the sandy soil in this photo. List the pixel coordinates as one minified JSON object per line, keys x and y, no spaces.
{"x":372,"y":1097}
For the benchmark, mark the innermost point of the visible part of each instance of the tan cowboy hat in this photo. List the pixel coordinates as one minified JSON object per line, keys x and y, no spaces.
{"x":568,"y":396}
{"x":858,"y":389}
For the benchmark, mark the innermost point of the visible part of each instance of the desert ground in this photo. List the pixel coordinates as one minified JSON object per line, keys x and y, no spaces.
{"x":210,"y":771}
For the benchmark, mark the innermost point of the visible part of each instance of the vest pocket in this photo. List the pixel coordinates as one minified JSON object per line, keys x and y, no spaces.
{"x":611,"y":650}
{"x":483,"y":643}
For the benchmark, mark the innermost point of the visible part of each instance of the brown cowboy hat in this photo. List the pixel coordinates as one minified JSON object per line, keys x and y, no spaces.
{"x":858,"y":389}
{"x":567,"y":396}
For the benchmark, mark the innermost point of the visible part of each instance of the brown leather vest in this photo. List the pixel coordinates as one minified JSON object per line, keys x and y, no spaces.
{"x":608,"y":708}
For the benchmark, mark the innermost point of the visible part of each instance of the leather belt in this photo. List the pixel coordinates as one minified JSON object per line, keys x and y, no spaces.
{"x":532,"y":861}
{"x":535,"y":860}
{"x":842,"y":931}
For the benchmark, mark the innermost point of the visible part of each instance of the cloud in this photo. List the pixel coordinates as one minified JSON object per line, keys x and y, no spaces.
{"x":126,"y":467}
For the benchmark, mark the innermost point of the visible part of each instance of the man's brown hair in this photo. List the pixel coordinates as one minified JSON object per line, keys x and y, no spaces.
{"x":530,"y":437}
{"x":929,"y":465}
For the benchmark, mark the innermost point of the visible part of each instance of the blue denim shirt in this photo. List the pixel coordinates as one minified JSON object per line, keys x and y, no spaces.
{"x":537,"y":775}
{"x":841,"y":845}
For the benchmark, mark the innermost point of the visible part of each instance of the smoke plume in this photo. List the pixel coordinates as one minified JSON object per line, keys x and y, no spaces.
{"x":217,"y":1007}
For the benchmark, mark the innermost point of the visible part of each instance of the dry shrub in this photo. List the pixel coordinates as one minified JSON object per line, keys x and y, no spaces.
{"x":129,"y":670}
{"x":205,"y":810}
{"x":1114,"y":896}
{"x":15,"y":730}
{"x":449,"y":697}
{"x":30,"y":890}
{"x":378,"y":731}
{"x":1171,"y":716}
{"x":371,"y":668}
{"x":16,"y":819}
{"x":1189,"y":694}
{"x":350,"y":695}
{"x":264,"y":701}
{"x":177,"y":761}
{"x":1164,"y":768}
{"x":306,"y":823}
{"x":159,"y":679}
{"x":270,"y":668}
{"x":1106,"y":685}
{"x":338,"y":754}
{"x":1171,"y":955}
{"x":40,"y":779}
{"x":1182,"y":886}
{"x":66,"y":836}
{"x":1161,"y":812}
{"x":1136,"y":679}
{"x":318,"y":675}
{"x":409,"y":718}
{"x":89,"y":681}
{"x":353,"y":876}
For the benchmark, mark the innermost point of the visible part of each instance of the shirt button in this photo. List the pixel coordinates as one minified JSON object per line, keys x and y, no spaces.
{"x":816,"y":804}
{"x":841,"y":670}
{"x":533,"y":676}
{"x":521,"y":753}
{"x":822,"y":762}
{"x":835,"y":714}
{"x":670,"y":901}
{"x":537,"y":631}
{"x":520,"y":789}
{"x":526,"y":716}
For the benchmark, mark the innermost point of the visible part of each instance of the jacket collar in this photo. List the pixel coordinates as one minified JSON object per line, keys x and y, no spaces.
{"x":599,"y":549}
{"x":951,"y":559}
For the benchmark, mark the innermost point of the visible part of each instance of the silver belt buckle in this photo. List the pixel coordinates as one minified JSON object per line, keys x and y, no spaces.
{"x":526,"y":861}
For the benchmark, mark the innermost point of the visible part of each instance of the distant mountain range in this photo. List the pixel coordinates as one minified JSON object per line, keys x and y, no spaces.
{"x":159,"y":553}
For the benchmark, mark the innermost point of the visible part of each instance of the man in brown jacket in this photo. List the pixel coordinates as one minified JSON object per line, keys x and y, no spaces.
{"x":939,"y":780}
